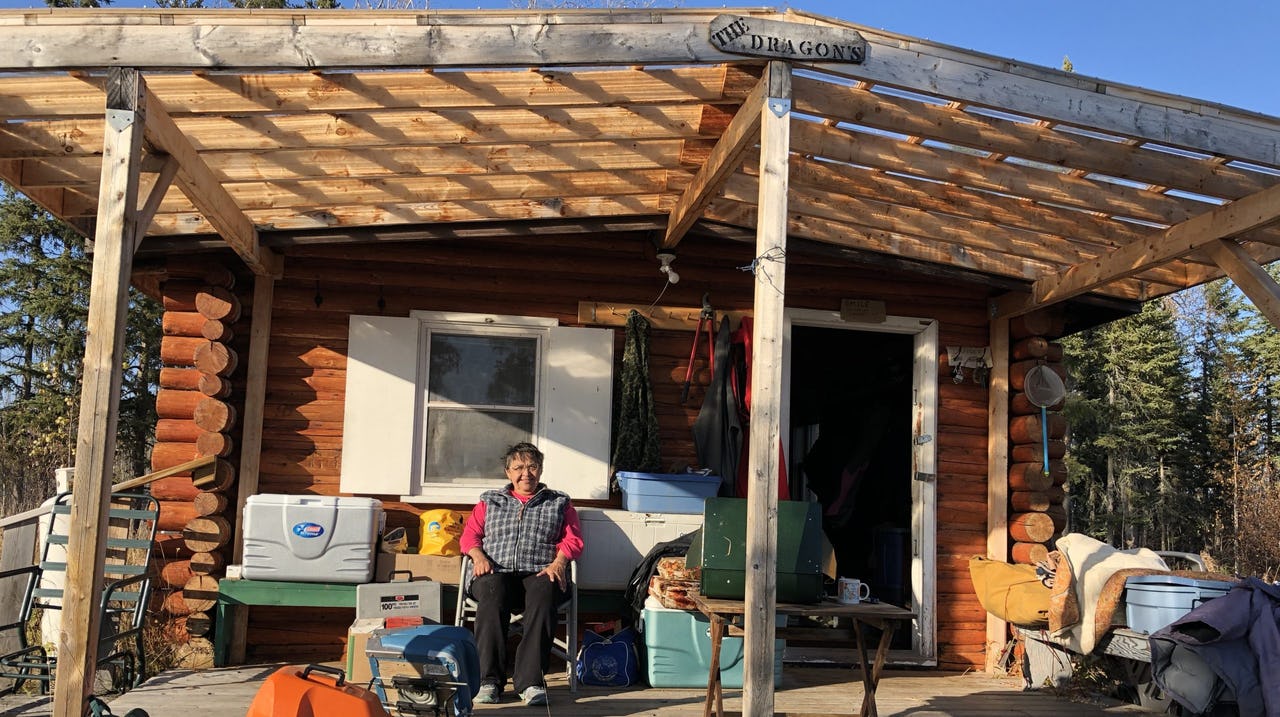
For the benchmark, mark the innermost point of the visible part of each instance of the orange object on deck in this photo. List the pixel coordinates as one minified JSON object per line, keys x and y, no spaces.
{"x":294,"y":691}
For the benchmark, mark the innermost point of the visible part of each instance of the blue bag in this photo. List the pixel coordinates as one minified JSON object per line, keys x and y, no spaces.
{"x":608,"y":661}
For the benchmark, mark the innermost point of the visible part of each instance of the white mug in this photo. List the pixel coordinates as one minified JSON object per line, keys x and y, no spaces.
{"x":852,"y":591}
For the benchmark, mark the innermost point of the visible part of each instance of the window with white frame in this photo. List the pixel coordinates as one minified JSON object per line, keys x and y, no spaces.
{"x":433,"y":400}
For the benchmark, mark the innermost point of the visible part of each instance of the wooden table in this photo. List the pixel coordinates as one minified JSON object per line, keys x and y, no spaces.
{"x":234,"y":594}
{"x":724,"y":615}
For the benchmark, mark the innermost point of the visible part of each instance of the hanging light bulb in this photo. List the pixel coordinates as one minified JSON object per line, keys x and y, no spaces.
{"x":665,"y":267}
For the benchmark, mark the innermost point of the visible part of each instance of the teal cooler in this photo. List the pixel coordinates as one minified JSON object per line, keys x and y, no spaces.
{"x":1154,"y":601}
{"x":678,"y":649}
{"x":723,"y":553}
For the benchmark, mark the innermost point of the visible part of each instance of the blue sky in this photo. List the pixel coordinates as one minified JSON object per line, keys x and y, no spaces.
{"x":1219,"y":50}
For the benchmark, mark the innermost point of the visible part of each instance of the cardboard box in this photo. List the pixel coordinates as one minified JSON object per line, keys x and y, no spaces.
{"x":358,"y":670}
{"x":424,"y":567}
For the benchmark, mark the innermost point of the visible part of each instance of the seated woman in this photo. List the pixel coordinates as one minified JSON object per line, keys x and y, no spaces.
{"x":521,"y":540}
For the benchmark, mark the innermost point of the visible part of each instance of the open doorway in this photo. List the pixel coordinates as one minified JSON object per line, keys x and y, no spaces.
{"x":859,"y":407}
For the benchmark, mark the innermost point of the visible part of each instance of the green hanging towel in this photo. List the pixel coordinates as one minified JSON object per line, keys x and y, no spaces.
{"x":637,"y":428}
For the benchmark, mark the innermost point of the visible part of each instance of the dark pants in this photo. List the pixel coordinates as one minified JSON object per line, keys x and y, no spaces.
{"x":497,"y":596}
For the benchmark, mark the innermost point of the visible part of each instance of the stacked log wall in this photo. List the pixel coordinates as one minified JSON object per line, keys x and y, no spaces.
{"x":1037,"y":472}
{"x":196,"y":408}
{"x":323,"y":285}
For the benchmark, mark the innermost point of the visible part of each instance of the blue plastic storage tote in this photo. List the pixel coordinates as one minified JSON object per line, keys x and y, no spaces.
{"x":666,"y":492}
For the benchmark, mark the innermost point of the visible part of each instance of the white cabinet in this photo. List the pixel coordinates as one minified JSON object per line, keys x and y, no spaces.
{"x":615,"y":541}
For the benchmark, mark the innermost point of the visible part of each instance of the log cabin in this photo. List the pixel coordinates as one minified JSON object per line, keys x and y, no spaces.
{"x":333,"y":205}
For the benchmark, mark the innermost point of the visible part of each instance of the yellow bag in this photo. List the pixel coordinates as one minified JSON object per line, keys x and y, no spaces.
{"x":1011,"y":592}
{"x":441,"y":529}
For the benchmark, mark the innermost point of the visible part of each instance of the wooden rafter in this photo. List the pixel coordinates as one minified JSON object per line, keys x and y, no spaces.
{"x":726,"y":156}
{"x":1032,"y":141}
{"x":1227,"y":221}
{"x":1252,"y":279}
{"x":206,"y":192}
{"x":305,"y":92}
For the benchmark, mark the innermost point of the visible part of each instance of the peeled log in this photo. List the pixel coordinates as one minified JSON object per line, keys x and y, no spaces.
{"x":176,"y":573}
{"x":214,"y":386}
{"x":177,"y":404}
{"x":1029,"y":553}
{"x":183,"y":379}
{"x":180,"y":295}
{"x":1031,"y":527}
{"x":1056,"y":352}
{"x":1018,"y":371}
{"x":207,"y":563}
{"x":176,"y":515}
{"x":199,"y":624}
{"x":1028,"y":452}
{"x":1046,"y":322}
{"x":175,"y":603}
{"x":1022,"y":501}
{"x":1030,"y":347}
{"x":200,"y":269}
{"x":179,"y":350}
{"x":166,"y":455}
{"x":196,"y":654}
{"x":207,"y":533}
{"x":216,"y":331}
{"x":200,"y":593}
{"x":1059,"y":515}
{"x":221,"y":477}
{"x":174,"y":630}
{"x":214,"y":357}
{"x":207,"y":503}
{"x":214,"y":415}
{"x":170,"y":546}
{"x":177,"y":430}
{"x":1031,"y":476}
{"x":174,"y":488}
{"x":182,"y":323}
{"x":211,"y":443}
{"x":219,"y":304}
{"x":1020,"y":405}
{"x":1026,"y":429}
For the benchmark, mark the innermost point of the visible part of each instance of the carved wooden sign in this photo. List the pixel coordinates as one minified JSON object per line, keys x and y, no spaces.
{"x":787,"y":40}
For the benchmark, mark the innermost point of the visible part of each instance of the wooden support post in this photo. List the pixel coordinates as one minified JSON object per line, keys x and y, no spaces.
{"x":998,"y":473}
{"x":766,"y":399}
{"x":100,"y":390}
{"x":251,"y":439}
{"x":1251,"y":278}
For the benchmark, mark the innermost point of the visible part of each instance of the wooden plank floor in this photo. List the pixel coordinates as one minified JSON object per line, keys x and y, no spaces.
{"x":227,"y":693}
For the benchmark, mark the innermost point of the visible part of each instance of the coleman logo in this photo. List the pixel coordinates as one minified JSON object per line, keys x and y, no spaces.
{"x":308,"y":530}
{"x":787,"y":40}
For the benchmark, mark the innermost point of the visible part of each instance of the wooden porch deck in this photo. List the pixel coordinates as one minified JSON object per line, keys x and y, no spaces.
{"x":227,"y":692}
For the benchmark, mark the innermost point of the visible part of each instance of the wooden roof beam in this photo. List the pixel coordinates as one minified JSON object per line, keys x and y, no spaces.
{"x":205,"y":191}
{"x":1252,"y":279}
{"x":726,"y":156}
{"x":1229,"y":220}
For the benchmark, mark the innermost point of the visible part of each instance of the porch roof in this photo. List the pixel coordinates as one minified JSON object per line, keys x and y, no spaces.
{"x":286,"y":127}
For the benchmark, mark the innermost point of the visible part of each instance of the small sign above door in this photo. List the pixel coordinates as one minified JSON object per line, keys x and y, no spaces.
{"x":787,"y":40}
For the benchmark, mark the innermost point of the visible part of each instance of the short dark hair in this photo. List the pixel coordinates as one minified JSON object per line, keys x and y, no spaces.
{"x":523,"y":449}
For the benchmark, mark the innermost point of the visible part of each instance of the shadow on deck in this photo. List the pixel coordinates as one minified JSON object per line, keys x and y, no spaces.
{"x":227,"y":692}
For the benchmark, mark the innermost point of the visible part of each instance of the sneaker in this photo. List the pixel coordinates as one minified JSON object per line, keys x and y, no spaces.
{"x":534,"y":695}
{"x":489,"y":694}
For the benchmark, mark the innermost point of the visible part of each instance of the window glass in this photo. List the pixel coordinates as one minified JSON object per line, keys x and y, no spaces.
{"x":466,"y":444}
{"x":479,"y":370}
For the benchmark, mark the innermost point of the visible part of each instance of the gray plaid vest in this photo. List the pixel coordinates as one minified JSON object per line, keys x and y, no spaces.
{"x":522,"y":537}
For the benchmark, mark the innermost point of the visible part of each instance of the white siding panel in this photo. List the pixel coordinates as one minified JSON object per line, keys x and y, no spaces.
{"x":380,"y":415}
{"x":577,"y":410}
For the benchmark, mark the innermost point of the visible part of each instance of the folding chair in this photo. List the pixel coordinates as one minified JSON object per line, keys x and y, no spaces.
{"x":565,"y":649}
{"x":130,"y":534}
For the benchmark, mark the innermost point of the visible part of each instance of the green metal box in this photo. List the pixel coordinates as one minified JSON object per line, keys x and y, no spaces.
{"x":724,"y":535}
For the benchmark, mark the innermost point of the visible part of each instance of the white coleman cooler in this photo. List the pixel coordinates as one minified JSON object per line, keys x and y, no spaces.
{"x":311,"y":539}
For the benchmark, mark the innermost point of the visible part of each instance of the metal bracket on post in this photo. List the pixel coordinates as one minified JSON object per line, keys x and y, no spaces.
{"x":119,"y":120}
{"x":779,"y":106}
